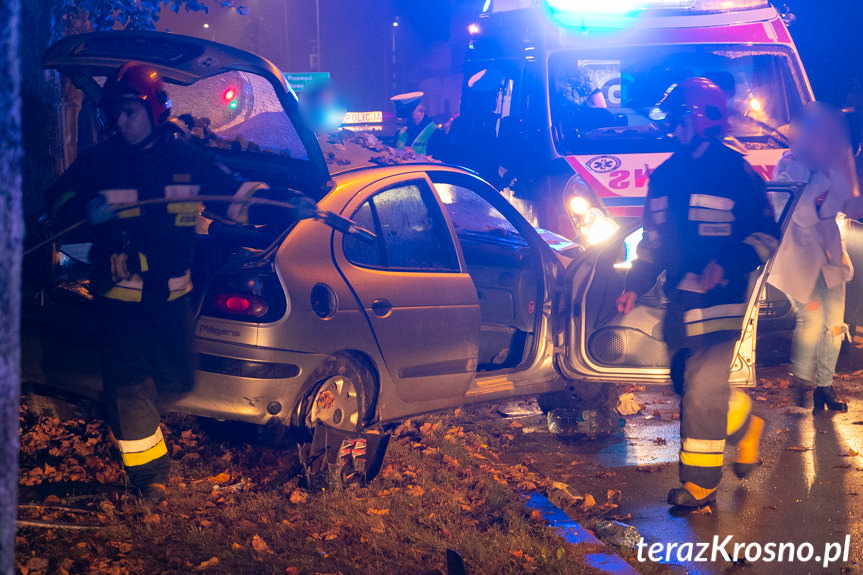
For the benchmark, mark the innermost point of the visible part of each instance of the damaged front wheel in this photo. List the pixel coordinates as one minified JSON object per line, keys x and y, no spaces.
{"x":340,"y":397}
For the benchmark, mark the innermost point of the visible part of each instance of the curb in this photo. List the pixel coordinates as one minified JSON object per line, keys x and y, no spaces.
{"x":606,"y":562}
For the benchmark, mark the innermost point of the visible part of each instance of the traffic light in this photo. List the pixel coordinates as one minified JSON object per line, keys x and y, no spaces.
{"x":230,"y":97}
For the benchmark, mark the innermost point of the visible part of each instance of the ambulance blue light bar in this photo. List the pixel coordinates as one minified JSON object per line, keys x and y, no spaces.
{"x":631,"y":6}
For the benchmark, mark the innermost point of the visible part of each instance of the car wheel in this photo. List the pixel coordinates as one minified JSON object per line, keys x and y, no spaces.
{"x":579,"y":396}
{"x":340,"y":395}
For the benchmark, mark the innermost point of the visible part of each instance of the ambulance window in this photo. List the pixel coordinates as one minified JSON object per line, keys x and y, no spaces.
{"x":601,"y":100}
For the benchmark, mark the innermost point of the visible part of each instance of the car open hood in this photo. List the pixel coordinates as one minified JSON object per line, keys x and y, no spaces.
{"x":180,"y":60}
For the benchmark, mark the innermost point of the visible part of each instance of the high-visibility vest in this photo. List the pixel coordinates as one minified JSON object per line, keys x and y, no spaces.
{"x":420,"y":143}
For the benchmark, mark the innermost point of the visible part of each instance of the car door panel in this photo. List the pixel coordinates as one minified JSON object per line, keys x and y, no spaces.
{"x":426,"y":321}
{"x":602,"y":344}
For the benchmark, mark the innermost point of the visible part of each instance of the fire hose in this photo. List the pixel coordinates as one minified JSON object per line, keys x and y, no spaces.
{"x":331,"y":219}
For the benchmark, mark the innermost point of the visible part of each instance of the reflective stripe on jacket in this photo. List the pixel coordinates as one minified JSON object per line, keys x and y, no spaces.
{"x":699,"y":210}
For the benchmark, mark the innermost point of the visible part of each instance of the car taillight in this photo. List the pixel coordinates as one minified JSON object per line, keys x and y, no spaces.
{"x":248,"y":293}
{"x":246,"y":305}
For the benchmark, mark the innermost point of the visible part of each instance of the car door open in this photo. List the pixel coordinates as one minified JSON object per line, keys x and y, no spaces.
{"x":411,"y":282}
{"x":604,"y":345}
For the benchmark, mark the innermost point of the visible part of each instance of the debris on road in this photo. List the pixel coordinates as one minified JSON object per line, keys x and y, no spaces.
{"x":617,"y":533}
{"x":627,"y":404}
{"x":589,"y":423}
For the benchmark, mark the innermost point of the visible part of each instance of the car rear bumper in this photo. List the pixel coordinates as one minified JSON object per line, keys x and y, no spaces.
{"x":244,"y":383}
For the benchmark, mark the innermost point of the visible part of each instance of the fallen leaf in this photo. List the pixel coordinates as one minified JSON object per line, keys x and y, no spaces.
{"x":298,"y":496}
{"x":220,"y":478}
{"x":588,"y":502}
{"x":260,"y":545}
{"x":706,"y":510}
{"x":212,"y":562}
{"x":536,"y":516}
{"x":415,"y":491}
{"x":516,"y":425}
{"x":614,"y":495}
{"x":371,"y":511}
{"x":849,"y":453}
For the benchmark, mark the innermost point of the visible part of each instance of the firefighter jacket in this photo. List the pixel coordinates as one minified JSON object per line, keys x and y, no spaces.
{"x":698,"y":210}
{"x":158,"y":239}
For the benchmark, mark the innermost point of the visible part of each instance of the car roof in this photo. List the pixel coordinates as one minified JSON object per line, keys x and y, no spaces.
{"x":366,"y":175}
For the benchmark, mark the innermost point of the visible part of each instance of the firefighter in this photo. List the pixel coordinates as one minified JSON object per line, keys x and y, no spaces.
{"x":141,"y":258}
{"x":708,"y":225}
{"x":419,"y":133}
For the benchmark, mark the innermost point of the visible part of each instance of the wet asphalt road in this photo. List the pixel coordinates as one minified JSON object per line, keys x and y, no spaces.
{"x":812,"y":492}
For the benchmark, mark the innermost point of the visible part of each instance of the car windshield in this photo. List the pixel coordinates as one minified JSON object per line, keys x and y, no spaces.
{"x":604,"y":102}
{"x":237,"y":110}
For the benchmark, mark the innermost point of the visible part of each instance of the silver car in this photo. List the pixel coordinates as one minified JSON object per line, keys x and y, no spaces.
{"x":437,"y":292}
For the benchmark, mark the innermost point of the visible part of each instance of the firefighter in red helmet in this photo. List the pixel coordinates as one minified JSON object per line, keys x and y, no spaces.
{"x":141,"y":258}
{"x":708,"y":225}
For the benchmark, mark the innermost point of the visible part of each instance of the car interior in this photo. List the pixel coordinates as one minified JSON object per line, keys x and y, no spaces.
{"x":505,"y":269}
{"x":612,"y":339}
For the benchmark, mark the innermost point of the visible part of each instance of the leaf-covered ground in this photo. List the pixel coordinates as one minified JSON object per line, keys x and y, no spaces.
{"x":236,"y":506}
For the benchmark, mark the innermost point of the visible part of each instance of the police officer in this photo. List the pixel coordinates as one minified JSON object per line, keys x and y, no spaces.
{"x":472,"y":138}
{"x":708,"y":225}
{"x":141,"y":259}
{"x":419,"y":133}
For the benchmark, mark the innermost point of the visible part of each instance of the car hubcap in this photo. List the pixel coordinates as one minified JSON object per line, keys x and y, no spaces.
{"x":336,"y":404}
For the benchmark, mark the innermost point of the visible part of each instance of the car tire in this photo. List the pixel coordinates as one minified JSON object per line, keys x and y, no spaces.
{"x":579,"y":396}
{"x":341,"y":394}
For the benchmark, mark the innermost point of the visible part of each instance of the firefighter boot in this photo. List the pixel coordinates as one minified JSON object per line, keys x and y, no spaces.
{"x":748,"y":448}
{"x":154,"y":493}
{"x":802,"y":390}
{"x":826,"y":398}
{"x":691,"y":495}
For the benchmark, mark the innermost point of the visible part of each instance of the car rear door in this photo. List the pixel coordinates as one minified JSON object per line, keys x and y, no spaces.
{"x":414,"y":288}
{"x":604,"y":345}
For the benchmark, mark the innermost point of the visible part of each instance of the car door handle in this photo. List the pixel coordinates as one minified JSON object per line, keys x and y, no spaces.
{"x":382,"y":307}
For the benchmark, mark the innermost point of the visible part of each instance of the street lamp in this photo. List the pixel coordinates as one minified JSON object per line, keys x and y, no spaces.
{"x":315,"y":58}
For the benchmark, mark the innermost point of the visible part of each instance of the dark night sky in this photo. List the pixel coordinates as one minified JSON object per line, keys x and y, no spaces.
{"x":356,"y":40}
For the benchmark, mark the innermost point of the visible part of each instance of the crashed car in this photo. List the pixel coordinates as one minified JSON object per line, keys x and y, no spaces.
{"x":426,"y":291}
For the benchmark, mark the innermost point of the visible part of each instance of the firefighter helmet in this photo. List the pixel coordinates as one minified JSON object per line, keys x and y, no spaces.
{"x":136,"y":81}
{"x":703,"y":100}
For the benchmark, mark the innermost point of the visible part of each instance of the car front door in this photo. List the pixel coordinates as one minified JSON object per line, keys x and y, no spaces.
{"x":411,"y":282}
{"x":604,"y":345}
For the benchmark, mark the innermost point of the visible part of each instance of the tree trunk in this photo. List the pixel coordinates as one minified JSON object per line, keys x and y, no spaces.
{"x":41,"y":92}
{"x":11,"y":235}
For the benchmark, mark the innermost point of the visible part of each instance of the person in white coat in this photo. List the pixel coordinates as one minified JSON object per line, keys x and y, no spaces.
{"x":812,"y":266}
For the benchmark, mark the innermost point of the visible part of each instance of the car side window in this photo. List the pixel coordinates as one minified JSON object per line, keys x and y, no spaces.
{"x":362,"y":251}
{"x":474,"y":218}
{"x":412,"y":233}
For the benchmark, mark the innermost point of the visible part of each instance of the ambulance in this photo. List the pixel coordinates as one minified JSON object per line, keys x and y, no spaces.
{"x":579,"y":131}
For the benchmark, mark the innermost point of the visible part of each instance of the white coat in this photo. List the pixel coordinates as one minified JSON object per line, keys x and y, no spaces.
{"x":813,"y":242}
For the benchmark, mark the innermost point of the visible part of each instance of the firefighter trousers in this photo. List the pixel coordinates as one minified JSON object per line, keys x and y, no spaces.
{"x":711,"y":413}
{"x":145,"y":350}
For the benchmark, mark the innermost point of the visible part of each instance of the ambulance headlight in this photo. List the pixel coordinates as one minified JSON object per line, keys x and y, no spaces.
{"x":597,"y":226}
{"x":592,"y":223}
{"x":579,"y":205}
